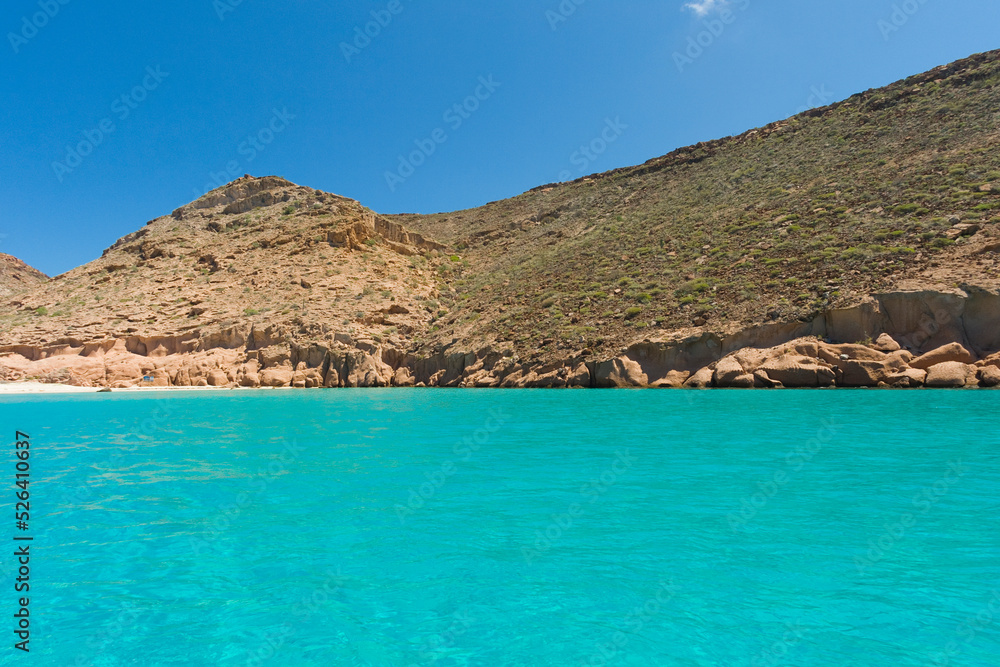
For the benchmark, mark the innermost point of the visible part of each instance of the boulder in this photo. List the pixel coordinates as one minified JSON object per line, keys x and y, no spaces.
{"x":950,"y":374}
{"x":792,"y":370}
{"x":620,"y":372}
{"x":863,"y":373}
{"x":950,"y":352}
{"x":551,"y":379}
{"x":900,"y":356}
{"x":910,"y":377}
{"x":402,"y":378}
{"x":834,"y":354}
{"x":307,"y":378}
{"x":672,"y":380}
{"x":992,"y":360}
{"x":761,"y":380}
{"x":989,"y":376}
{"x":276,"y":377}
{"x":886,"y":343}
{"x":250,"y":380}
{"x":217,"y":378}
{"x":579,"y":376}
{"x":486,"y":380}
{"x":745,"y":381}
{"x":701,"y":379}
{"x":729,"y":372}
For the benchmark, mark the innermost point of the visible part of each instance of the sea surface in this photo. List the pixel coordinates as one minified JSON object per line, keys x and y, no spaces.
{"x":514,"y":527}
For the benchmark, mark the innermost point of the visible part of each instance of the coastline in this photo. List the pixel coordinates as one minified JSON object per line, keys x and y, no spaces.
{"x":23,"y":388}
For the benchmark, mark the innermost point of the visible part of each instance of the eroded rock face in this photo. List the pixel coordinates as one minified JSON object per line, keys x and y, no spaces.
{"x":761,"y":357}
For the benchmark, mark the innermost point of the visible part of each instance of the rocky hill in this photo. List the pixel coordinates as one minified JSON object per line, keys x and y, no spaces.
{"x":874,"y":223}
{"x":16,"y":276}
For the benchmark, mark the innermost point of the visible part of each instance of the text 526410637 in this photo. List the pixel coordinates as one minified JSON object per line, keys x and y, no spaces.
{"x":22,"y":585}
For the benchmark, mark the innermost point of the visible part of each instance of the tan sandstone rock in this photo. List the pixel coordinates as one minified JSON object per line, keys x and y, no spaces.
{"x":621,"y":372}
{"x":989,"y":376}
{"x":402,"y":378}
{"x":798,"y":371}
{"x":909,"y":377}
{"x":950,"y":374}
{"x":579,"y":377}
{"x":217,"y":378}
{"x":729,"y":372}
{"x":864,"y":373}
{"x":701,"y":379}
{"x":276,"y":377}
{"x":950,"y":352}
{"x":672,"y":380}
{"x":886,"y":343}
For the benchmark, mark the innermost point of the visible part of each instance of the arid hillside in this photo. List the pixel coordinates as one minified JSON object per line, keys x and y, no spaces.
{"x":874,"y":222}
{"x":899,"y":185}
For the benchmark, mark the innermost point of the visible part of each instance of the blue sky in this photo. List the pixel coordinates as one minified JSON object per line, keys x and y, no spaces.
{"x":169,"y":99}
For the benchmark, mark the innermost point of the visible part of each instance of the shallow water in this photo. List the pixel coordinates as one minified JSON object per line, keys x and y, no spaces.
{"x":515,"y":527}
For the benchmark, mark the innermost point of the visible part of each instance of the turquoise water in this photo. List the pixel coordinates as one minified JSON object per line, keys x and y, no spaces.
{"x":435,"y":527}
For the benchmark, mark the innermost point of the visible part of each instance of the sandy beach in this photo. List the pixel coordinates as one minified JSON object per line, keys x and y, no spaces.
{"x":13,"y":388}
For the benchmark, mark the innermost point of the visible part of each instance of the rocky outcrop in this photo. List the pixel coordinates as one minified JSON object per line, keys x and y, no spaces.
{"x":949,"y":348}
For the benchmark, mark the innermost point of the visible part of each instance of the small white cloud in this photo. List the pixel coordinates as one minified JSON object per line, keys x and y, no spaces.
{"x":703,"y":7}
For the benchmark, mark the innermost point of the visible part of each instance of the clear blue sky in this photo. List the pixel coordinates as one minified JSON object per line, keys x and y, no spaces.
{"x":277,"y":71}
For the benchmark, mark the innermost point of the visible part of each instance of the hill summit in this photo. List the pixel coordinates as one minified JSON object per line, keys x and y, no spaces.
{"x":15,"y":275}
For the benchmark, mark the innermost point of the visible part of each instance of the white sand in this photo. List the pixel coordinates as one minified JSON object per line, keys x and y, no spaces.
{"x":42,"y":388}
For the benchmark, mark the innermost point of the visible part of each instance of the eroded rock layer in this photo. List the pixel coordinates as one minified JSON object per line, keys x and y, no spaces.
{"x":899,"y":339}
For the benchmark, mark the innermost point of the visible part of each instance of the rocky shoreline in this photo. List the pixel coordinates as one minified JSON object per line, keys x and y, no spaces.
{"x":899,"y":339}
